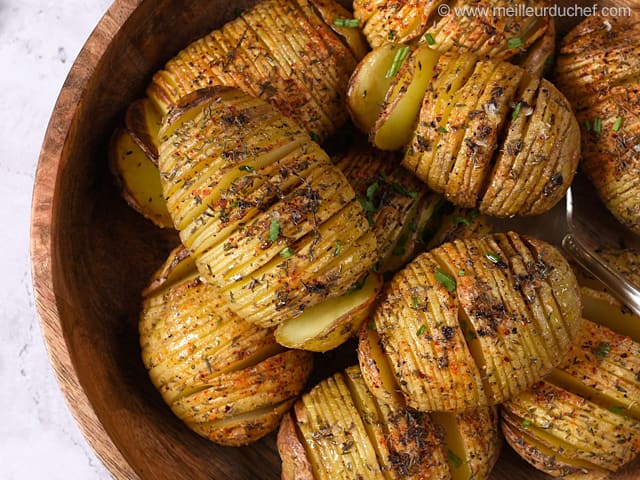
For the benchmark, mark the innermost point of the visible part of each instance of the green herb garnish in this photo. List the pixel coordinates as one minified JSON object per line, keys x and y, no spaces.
{"x":461,"y":273}
{"x":526,"y":423}
{"x":430,"y":40}
{"x":274,"y":230}
{"x":415,"y":303}
{"x":454,"y":460}
{"x":445,"y":280}
{"x":618,"y":124}
{"x":246,"y":168}
{"x":602,"y":350}
{"x":516,"y":112}
{"x":338,"y":248}
{"x":371,"y":325}
{"x":287,"y":252}
{"x":493,"y":258}
{"x":597,"y":125}
{"x":315,"y":137}
{"x":458,"y":220}
{"x":401,"y":54}
{"x":421,"y":330}
{"x":617,"y":410}
{"x":397,"y":187}
{"x":347,"y":22}
{"x":369,"y":207}
{"x":587,"y":125}
{"x":441,"y":129}
{"x":515,"y":42}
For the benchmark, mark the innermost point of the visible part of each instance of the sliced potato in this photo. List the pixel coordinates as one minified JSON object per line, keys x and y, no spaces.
{"x":598,"y":69}
{"x":143,"y":121}
{"x":584,"y":418}
{"x":226,"y":379}
{"x":339,"y":430}
{"x":138,"y":178}
{"x":328,"y":324}
{"x":472,"y":323}
{"x":261,"y":207}
{"x":287,"y":52}
{"x":488,"y":135}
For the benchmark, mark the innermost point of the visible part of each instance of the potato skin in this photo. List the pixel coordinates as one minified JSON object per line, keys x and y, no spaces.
{"x":598,"y":69}
{"x":472,"y":323}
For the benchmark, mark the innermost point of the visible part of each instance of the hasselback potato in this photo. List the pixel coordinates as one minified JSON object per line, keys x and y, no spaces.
{"x":227,"y":379}
{"x":583,"y":421}
{"x":270,"y":221}
{"x":471,"y":323}
{"x":485,"y":134}
{"x":339,"y":430}
{"x":598,"y":68}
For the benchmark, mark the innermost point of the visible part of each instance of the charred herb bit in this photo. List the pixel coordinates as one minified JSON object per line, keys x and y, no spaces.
{"x":526,"y":423}
{"x":454,"y":460}
{"x":515,"y":42}
{"x":447,"y":332}
{"x":287,"y":252}
{"x":445,"y":280}
{"x":622,"y":243}
{"x":601,"y":351}
{"x":371,"y":326}
{"x":429,"y":39}
{"x":346,"y":22}
{"x":315,"y":137}
{"x":358,"y":285}
{"x":338,"y":248}
{"x":421,"y":330}
{"x":597,"y":125}
{"x":401,"y":54}
{"x":618,"y":125}
{"x":274,"y":230}
{"x":516,"y":112}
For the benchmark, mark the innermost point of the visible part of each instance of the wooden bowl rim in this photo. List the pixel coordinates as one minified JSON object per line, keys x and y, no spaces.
{"x":46,"y":184}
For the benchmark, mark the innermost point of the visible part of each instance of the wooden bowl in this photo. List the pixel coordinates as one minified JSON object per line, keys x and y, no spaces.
{"x":92,"y":255}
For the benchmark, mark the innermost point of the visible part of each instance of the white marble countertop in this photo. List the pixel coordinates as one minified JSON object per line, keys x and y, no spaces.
{"x":39,"y":41}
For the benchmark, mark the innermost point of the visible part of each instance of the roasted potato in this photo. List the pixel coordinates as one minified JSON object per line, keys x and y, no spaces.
{"x":287,"y":52}
{"x":583,"y":421}
{"x":485,"y":134}
{"x":270,"y":221}
{"x":598,"y":68}
{"x":471,"y":323}
{"x":227,"y":379}
{"x":340,"y":431}
{"x":491,"y":29}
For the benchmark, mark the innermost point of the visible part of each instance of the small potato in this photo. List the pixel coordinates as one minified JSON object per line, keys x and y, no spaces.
{"x":471,"y":323}
{"x":339,"y":430}
{"x":227,"y":379}
{"x":598,"y":69}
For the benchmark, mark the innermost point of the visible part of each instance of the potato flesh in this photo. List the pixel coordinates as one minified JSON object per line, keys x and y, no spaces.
{"x":586,"y":411}
{"x":346,"y":432}
{"x":604,"y":309}
{"x":225,"y":378}
{"x":138,"y":178}
{"x":481,"y":342}
{"x":258,"y":52}
{"x":471,"y":114}
{"x":262,"y":209}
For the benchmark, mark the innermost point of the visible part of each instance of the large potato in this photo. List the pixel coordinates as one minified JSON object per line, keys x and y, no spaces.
{"x":287,"y":52}
{"x":598,"y":69}
{"x":492,"y":29}
{"x":227,"y":379}
{"x":471,"y":323}
{"x":583,"y":421}
{"x":485,"y":134}
{"x":270,"y":221}
{"x":339,"y":430}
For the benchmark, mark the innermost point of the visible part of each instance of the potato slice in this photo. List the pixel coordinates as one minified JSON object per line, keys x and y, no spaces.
{"x":138,"y":178}
{"x":603,"y":308}
{"x":463,"y":326}
{"x":340,"y":430}
{"x":227,"y":379}
{"x":143,"y":121}
{"x":328,"y":324}
{"x":261,"y":207}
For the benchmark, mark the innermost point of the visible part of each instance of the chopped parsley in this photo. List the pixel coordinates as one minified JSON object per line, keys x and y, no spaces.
{"x":454,"y":460}
{"x":493,"y":258}
{"x":246,"y":168}
{"x":429,"y":39}
{"x":441,"y":129}
{"x":526,"y":423}
{"x":421,"y":330}
{"x":602,"y":350}
{"x":618,"y":125}
{"x":415,"y":303}
{"x":458,"y":220}
{"x":515,"y":42}
{"x":617,"y":410}
{"x":347,"y":22}
{"x":597,"y":124}
{"x":372,"y":325}
{"x":401,"y":54}
{"x":287,"y":252}
{"x":397,"y":187}
{"x":516,"y":112}
{"x":274,"y":230}
{"x":338,"y":248}
{"x":445,"y":280}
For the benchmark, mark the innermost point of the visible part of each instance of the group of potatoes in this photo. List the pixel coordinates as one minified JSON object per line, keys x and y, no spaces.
{"x":287,"y":248}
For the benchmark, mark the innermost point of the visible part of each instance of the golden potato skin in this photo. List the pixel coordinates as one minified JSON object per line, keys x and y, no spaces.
{"x":283,"y":51}
{"x":227,"y":379}
{"x":583,"y":419}
{"x":487,"y":35}
{"x":270,"y":221}
{"x":598,"y":68}
{"x":472,"y":323}
{"x":340,"y":430}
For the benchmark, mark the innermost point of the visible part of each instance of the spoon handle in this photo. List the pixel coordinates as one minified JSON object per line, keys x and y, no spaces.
{"x":619,"y":286}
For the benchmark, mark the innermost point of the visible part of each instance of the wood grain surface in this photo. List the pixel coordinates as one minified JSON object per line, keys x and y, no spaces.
{"x":92,"y":255}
